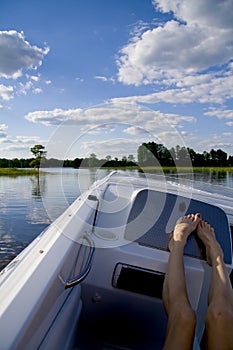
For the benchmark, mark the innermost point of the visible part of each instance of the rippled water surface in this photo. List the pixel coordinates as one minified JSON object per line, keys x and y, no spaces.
{"x":28,"y":204}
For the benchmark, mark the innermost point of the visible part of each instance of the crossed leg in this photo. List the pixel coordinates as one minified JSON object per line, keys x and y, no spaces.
{"x":181,"y":317}
{"x":219,"y":316}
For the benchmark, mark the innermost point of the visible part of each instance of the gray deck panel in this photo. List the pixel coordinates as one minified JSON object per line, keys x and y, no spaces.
{"x":167,"y":206}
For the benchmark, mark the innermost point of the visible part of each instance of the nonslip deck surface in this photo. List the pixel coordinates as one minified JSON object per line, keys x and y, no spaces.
{"x":152,"y":211}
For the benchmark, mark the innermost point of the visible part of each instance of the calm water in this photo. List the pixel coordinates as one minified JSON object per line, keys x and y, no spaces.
{"x":28,"y":204}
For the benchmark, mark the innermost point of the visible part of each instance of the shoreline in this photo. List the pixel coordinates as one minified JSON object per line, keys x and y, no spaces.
{"x":173,"y":169}
{"x":18,"y":172}
{"x":146,"y":169}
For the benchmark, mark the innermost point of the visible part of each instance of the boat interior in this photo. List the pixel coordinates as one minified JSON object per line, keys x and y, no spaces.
{"x":104,"y":272}
{"x":122,"y":307}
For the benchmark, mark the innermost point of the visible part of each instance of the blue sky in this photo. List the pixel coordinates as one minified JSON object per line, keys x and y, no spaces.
{"x":84,"y":76}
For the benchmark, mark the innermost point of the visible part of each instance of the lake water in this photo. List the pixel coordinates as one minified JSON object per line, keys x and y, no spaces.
{"x":28,"y":204}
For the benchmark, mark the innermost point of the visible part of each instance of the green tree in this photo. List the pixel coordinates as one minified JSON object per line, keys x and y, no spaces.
{"x":108,"y":158}
{"x":222,"y":157}
{"x":131,"y":158}
{"x":147,"y":153}
{"x":182,"y":156}
{"x":92,"y":161}
{"x":39,"y":153}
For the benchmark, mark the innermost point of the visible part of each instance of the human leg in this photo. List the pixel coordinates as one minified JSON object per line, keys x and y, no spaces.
{"x":181,"y":317}
{"x":219,"y":316}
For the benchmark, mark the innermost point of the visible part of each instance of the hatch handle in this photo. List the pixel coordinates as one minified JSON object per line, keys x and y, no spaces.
{"x":78,"y":279}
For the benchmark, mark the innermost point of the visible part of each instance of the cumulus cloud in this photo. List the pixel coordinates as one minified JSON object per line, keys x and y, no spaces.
{"x":110,"y":124}
{"x":37,"y":91}
{"x":216,"y":142}
{"x":226,"y":114}
{"x":134,"y":130}
{"x":18,"y":54}
{"x":11,"y":144}
{"x":209,"y":12}
{"x":6,"y":92}
{"x":200,"y":36}
{"x":3,"y":127}
{"x":35,"y":77}
{"x":115,"y":112}
{"x":202,"y":88}
{"x":55,"y":117}
{"x":117,"y":147}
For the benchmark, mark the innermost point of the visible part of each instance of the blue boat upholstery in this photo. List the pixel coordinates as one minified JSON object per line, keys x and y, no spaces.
{"x":153,"y":215}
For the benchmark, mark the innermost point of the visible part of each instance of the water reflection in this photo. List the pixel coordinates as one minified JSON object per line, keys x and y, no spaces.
{"x":38,"y":186}
{"x":28,"y":204}
{"x":210,"y":181}
{"x":22,"y":216}
{"x":213,"y":177}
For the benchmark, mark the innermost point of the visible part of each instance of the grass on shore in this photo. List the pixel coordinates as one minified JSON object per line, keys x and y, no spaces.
{"x":173,"y":169}
{"x":17,"y":172}
{"x":146,"y":169}
{"x":188,"y":169}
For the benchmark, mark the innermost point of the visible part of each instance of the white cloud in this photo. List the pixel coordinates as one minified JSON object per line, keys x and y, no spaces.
{"x":134,"y":130}
{"x":12,"y":145}
{"x":23,"y":88}
{"x":202,"y":40}
{"x":6,"y":92}
{"x":3,"y":127}
{"x":203,"y":88}
{"x":29,"y":85}
{"x":98,"y":77}
{"x":37,"y":91}
{"x":220,"y":114}
{"x":27,"y":139}
{"x":208,"y":12}
{"x":18,"y":140}
{"x":35,"y":77}
{"x":116,"y":112}
{"x":54,"y":117}
{"x":225,"y":114}
{"x":103,"y":78}
{"x":18,"y":54}
{"x":3,"y":134}
{"x":118,"y":147}
{"x":215,"y":142}
{"x":102,"y":129}
{"x":110,"y":124}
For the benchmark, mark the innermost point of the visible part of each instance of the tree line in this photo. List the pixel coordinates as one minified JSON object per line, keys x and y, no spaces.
{"x":151,"y":153}
{"x":148,"y":154}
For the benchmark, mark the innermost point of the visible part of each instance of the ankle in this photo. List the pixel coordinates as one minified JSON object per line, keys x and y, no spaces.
{"x":177,"y":245}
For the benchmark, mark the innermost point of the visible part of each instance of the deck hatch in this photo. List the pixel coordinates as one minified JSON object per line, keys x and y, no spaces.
{"x":138,"y":280}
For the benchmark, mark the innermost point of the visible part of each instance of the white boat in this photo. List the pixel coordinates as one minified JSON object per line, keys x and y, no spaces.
{"x":93,"y":279}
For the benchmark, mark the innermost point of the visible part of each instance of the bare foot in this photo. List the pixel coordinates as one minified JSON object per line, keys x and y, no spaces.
{"x":213,"y":250}
{"x":184,"y":227}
